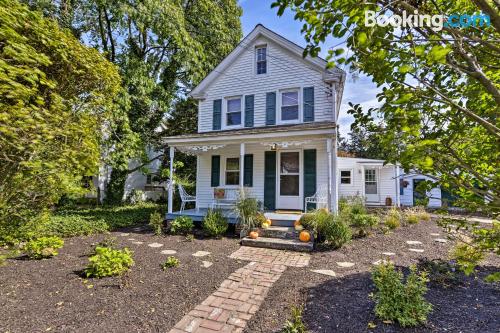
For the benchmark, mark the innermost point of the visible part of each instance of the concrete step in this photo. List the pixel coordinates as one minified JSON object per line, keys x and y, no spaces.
{"x":282,"y":220}
{"x":279,"y":232}
{"x":278,"y":243}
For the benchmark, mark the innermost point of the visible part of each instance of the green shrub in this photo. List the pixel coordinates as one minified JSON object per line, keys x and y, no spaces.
{"x":335,"y":232}
{"x":109,"y":262}
{"x":411,"y":218}
{"x":181,"y":225}
{"x":43,"y":247}
{"x":296,"y":324}
{"x":399,"y":301}
{"x":169,"y":263}
{"x":215,"y":224}
{"x":422,"y":214}
{"x":74,"y":225}
{"x":393,"y":219}
{"x":248,"y":212}
{"x":308,"y":221}
{"x":156,"y":222}
{"x":363,"y":223}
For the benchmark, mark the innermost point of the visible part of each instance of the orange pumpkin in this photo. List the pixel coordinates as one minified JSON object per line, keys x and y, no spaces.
{"x":253,"y":234}
{"x":268,"y":221}
{"x":305,"y":236}
{"x":296,"y":223}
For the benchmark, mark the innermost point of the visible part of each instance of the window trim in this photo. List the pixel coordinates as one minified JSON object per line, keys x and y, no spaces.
{"x":225,"y":171}
{"x":279,"y":103}
{"x":225,"y":112}
{"x":351,"y":176}
{"x":256,"y":61}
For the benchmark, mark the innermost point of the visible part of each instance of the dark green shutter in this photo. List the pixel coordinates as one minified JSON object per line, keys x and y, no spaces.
{"x":270,"y":180}
{"x":309,"y":175}
{"x":308,"y":104}
{"x":217,"y":115}
{"x":249,"y":111}
{"x":248,"y":171}
{"x":215,"y":179}
{"x":271,"y":108}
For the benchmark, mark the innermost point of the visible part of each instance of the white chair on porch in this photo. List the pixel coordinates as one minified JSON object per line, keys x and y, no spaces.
{"x":320,"y":198}
{"x":185,"y":197}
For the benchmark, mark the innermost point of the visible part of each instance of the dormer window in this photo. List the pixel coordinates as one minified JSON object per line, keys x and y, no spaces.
{"x":261,"y":57}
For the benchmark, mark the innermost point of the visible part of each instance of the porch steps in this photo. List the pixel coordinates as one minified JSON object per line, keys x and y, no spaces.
{"x":279,"y":232}
{"x":283,"y":220}
{"x":278,"y":243}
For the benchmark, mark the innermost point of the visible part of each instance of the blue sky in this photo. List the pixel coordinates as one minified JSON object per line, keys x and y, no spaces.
{"x":362,"y":91}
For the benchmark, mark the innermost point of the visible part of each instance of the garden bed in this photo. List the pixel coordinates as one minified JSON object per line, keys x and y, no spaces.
{"x":52,"y":295}
{"x":342,"y":303}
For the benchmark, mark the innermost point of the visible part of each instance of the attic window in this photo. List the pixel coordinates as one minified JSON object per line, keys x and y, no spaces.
{"x":261,"y":57}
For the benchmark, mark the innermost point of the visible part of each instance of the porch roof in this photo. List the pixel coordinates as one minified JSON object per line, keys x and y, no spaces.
{"x":311,"y":130}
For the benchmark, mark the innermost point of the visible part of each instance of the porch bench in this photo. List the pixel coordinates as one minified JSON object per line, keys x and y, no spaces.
{"x":226,"y":197}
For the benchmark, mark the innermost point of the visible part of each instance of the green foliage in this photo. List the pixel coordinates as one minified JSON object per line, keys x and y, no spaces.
{"x":439,"y":88}
{"x":109,"y":262}
{"x":308,"y":221}
{"x":399,"y":301}
{"x":295,"y":324}
{"x":181,"y":225}
{"x":393,"y":219}
{"x":411,"y":218}
{"x":170,"y":263}
{"x":43,"y":247}
{"x":156,"y":222}
{"x":354,"y":213}
{"x":55,"y":96}
{"x":330,"y":228}
{"x":71,"y":225}
{"x":474,"y":242}
{"x":214,"y":223}
{"x":248,"y":211}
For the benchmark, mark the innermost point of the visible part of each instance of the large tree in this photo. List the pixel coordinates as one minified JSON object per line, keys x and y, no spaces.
{"x":55,"y":94}
{"x":440,"y":88}
{"x":162,"y":48}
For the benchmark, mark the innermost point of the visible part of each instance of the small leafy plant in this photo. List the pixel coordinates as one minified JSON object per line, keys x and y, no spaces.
{"x":295,"y":324}
{"x":215,"y":224}
{"x":331,"y":229}
{"x":181,"y":225}
{"x":156,"y":222}
{"x":169,"y":263}
{"x":400,"y":301}
{"x":109,"y":262}
{"x":393,"y":219}
{"x":411,"y":218}
{"x":43,"y":247}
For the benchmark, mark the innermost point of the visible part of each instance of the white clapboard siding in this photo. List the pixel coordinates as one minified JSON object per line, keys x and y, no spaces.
{"x":284,"y":70}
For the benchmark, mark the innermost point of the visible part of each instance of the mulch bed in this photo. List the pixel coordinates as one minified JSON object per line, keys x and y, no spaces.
{"x":342,"y":303}
{"x":51,"y":295}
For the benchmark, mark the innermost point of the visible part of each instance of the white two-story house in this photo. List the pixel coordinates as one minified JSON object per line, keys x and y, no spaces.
{"x":267,"y":122}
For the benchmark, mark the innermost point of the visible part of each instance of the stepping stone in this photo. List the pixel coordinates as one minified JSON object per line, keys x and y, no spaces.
{"x":138,"y":243}
{"x":440,"y":240}
{"x":381,"y":261}
{"x":388,"y":253}
{"x":155,"y":245}
{"x":416,"y":250}
{"x":328,"y":272}
{"x":124,"y":234}
{"x":206,"y":264}
{"x":168,"y":252}
{"x":201,"y":254}
{"x":131,"y":239}
{"x":345,"y":264}
{"x":434,"y":234}
{"x":413,"y":242}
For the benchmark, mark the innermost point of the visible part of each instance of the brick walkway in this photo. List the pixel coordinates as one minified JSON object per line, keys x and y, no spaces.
{"x":241,"y":294}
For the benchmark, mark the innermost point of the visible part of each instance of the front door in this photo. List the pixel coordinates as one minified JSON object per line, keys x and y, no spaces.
{"x":371,"y":185}
{"x":290,"y":180}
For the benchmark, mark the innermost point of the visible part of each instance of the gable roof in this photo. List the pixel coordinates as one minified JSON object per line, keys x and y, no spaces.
{"x":334,"y":74}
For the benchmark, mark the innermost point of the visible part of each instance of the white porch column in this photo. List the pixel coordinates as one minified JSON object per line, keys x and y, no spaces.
{"x":335,"y":187}
{"x":242,"y":164}
{"x":398,"y":196}
{"x":329,"y":163}
{"x":171,"y":183}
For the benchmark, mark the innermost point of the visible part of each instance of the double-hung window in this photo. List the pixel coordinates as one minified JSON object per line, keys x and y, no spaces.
{"x":232,"y":171}
{"x":345,"y":177}
{"x":233,"y":114}
{"x":261,"y":58}
{"x":290,"y":105}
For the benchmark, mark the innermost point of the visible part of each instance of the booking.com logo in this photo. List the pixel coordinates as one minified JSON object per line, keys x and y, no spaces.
{"x":435,"y":22}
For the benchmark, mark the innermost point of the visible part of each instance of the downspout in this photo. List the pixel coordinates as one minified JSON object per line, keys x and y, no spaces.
{"x":335,"y":205}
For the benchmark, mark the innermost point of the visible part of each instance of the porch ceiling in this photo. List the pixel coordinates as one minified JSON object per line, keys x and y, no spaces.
{"x":307,"y":131}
